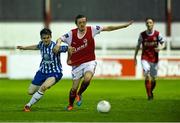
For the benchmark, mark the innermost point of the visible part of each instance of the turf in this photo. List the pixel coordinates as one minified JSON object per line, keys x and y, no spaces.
{"x":127,"y":98}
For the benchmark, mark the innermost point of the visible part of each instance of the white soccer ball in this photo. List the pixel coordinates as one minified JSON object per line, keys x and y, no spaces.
{"x":103,"y":106}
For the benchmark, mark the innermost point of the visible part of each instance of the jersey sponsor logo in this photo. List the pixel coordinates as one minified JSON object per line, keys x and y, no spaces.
{"x":47,"y":62}
{"x":84,"y":45}
{"x":150,"y":43}
{"x":98,"y":27}
{"x":66,"y":36}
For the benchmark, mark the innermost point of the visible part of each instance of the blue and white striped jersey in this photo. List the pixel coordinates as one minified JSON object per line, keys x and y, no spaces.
{"x":51,"y":62}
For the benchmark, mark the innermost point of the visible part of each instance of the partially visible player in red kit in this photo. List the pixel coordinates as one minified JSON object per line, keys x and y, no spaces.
{"x":83,"y":59}
{"x":152,"y":42}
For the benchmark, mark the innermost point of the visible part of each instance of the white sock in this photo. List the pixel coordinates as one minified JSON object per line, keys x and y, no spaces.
{"x":36,"y":97}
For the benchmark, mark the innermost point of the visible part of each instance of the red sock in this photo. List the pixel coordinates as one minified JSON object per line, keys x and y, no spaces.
{"x":72,"y":96}
{"x":148,"y":87}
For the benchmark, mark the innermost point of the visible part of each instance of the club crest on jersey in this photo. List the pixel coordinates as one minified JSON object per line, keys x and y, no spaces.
{"x":85,"y":41}
{"x":46,"y":57}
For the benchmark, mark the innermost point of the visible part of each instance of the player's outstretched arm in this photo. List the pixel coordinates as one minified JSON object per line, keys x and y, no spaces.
{"x":111,"y":28}
{"x":32,"y":47}
{"x":57,"y":46}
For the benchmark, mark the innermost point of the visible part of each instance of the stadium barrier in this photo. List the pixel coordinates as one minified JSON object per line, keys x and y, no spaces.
{"x":115,"y":67}
{"x":21,"y":65}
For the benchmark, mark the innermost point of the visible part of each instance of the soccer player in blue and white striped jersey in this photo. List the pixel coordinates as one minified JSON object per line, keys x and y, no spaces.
{"x":50,"y":70}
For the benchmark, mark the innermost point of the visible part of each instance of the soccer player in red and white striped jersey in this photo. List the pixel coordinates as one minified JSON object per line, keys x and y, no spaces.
{"x":152,"y":42}
{"x":83,"y":59}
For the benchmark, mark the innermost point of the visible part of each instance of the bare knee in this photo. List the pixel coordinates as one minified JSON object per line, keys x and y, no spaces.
{"x":88,"y":78}
{"x":147,"y":76}
{"x":32,"y":89}
{"x":30,"y":92}
{"x":43,"y":88}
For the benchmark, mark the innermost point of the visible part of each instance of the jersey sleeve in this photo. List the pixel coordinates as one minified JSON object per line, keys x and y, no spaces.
{"x":96,"y":30}
{"x":39,"y":45}
{"x":63,"y":49}
{"x":67,"y":38}
{"x":161,"y":39}
{"x":140,"y":39}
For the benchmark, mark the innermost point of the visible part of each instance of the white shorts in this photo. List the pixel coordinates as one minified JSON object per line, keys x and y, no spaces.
{"x":149,"y":68}
{"x":79,"y":71}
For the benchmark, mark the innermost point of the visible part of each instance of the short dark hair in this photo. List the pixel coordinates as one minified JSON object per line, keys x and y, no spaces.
{"x":149,"y":18}
{"x":79,"y":16}
{"x":45,"y":31}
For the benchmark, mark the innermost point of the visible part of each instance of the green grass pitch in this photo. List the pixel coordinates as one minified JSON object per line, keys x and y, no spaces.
{"x":127,"y":97}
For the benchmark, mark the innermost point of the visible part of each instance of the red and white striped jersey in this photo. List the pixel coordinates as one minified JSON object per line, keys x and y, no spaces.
{"x":149,"y":43}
